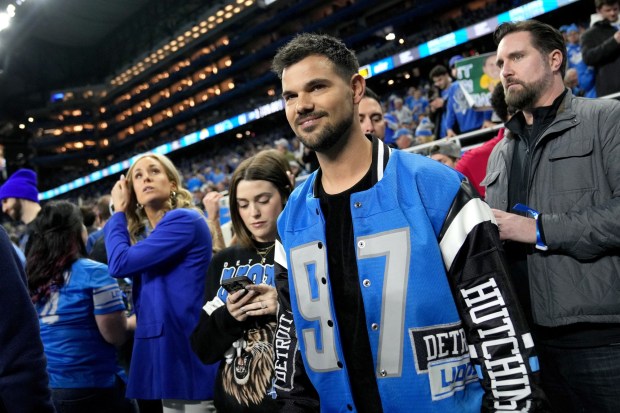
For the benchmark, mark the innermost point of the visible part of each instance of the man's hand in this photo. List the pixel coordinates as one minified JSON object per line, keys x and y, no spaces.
{"x":437,"y":103}
{"x":515,"y":227}
{"x":487,"y":124}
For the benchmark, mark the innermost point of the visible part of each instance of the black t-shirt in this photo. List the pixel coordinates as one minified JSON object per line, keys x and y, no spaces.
{"x":345,"y":288}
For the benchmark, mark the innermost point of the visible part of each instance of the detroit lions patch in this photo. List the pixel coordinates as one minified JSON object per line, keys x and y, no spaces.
{"x":441,"y":351}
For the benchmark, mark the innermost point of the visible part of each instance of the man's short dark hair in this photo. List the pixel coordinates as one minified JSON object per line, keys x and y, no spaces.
{"x":437,"y":71}
{"x":600,"y":3}
{"x":309,"y":44}
{"x":545,"y":38}
{"x":369,"y":93}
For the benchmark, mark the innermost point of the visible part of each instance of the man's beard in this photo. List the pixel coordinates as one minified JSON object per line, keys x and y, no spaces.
{"x":18,"y":210}
{"x":329,"y":136}
{"x":528,"y":95}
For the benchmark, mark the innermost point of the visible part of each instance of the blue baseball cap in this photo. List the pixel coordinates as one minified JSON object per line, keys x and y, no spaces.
{"x":402,"y":132}
{"x":454,"y":59}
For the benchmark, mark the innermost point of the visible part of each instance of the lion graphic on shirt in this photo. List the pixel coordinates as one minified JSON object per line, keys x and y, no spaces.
{"x":249,"y":366}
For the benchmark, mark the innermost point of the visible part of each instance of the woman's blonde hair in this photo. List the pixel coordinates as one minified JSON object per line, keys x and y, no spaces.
{"x":268,"y":165}
{"x":179,"y":196}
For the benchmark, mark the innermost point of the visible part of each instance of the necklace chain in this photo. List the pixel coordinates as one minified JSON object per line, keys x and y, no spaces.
{"x":262,"y":252}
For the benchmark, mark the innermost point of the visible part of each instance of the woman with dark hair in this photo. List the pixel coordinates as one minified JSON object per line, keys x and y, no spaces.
{"x":81,"y":313}
{"x":157,"y":237}
{"x":237,"y":329}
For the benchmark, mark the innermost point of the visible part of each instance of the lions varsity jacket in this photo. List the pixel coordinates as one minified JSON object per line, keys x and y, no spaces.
{"x":445,"y":329}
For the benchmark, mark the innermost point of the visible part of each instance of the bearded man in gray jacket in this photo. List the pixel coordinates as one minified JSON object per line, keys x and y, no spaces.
{"x":554,"y":184}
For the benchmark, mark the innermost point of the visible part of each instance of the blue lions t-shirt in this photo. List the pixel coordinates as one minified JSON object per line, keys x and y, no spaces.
{"x":77,"y":354}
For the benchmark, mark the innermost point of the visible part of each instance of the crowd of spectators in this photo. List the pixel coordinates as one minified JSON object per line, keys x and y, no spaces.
{"x":366,"y":53}
{"x":410,"y":116}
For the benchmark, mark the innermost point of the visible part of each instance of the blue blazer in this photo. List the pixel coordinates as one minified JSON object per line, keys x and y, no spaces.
{"x":168,"y":269}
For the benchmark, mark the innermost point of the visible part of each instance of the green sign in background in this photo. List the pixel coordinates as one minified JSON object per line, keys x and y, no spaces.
{"x":477,"y":77}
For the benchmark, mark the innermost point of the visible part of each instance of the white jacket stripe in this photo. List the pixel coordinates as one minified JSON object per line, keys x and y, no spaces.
{"x":473,"y":213}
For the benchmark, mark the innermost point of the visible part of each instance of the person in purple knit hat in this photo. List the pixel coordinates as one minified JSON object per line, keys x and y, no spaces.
{"x":20,"y":199}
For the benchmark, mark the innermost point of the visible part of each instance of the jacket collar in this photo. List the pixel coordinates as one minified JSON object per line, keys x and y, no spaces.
{"x":380,"y":156}
{"x":543,"y":115}
{"x":564,"y":113}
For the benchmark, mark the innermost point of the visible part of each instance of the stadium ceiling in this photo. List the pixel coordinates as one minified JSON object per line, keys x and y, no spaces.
{"x":54,"y":44}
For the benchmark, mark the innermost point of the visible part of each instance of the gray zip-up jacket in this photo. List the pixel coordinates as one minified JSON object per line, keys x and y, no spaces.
{"x":575,"y":183}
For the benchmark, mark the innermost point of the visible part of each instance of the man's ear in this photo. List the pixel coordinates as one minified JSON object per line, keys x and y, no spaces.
{"x":555,"y":60}
{"x":358,"y":87}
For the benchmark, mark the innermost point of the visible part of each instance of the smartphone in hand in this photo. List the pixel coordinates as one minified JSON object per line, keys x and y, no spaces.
{"x":234,"y":284}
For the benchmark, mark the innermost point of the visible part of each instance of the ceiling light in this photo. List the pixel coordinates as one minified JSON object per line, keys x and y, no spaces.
{"x":5,"y":20}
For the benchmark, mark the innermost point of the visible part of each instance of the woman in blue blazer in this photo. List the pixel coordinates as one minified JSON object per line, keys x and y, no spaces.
{"x":159,"y":239}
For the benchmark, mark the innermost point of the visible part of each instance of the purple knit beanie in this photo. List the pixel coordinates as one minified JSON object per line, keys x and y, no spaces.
{"x":22,"y":184}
